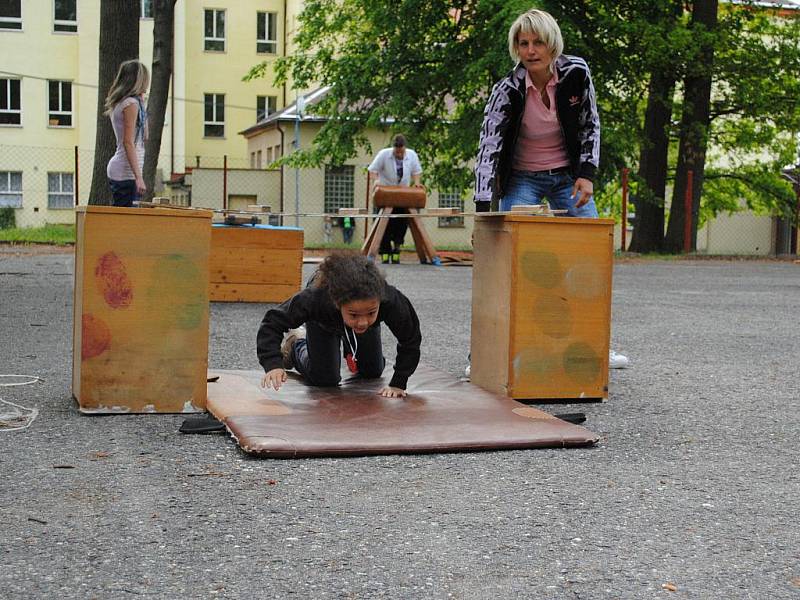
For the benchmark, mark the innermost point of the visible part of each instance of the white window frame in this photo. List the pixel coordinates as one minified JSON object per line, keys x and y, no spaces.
{"x":265,"y":106}
{"x":54,"y":114}
{"x":67,"y":25}
{"x":6,"y":191}
{"x":142,"y":12}
{"x":215,"y":117}
{"x":10,"y":110}
{"x":59,"y":194}
{"x":6,"y":21}
{"x":268,"y":39}
{"x":215,"y":34}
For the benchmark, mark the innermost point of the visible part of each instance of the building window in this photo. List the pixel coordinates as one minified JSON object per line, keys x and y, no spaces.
{"x":277,"y":151}
{"x":214,"y":125}
{"x":258,"y":159}
{"x":11,"y":189}
{"x":215,"y":30}
{"x":147,"y":9}
{"x":59,"y":190}
{"x":338,"y":188}
{"x":451,"y":200}
{"x":65,"y":16}
{"x":11,"y":14}
{"x":59,"y":112}
{"x":10,"y":108}
{"x":265,"y":106}
{"x":267,"y":32}
{"x":252,"y":160}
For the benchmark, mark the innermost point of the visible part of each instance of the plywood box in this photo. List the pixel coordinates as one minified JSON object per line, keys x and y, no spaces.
{"x":541,"y":306}
{"x":140,"y":330}
{"x":259,"y":263}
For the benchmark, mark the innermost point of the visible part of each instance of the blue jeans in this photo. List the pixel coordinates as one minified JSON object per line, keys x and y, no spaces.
{"x":526,"y":187}
{"x":318,"y":357}
{"x":124,"y":192}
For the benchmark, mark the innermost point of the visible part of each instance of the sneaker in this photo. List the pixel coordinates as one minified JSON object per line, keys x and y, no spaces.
{"x":617,"y":361}
{"x":385,"y":259}
{"x":287,"y":346}
{"x":466,"y":372}
{"x":396,"y":258}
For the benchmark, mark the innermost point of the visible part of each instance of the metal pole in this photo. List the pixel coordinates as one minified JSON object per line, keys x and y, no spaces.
{"x":366,"y":204}
{"x":76,"y":188}
{"x":624,"y":231}
{"x":224,"y":182}
{"x":296,"y":169}
{"x":687,"y":217}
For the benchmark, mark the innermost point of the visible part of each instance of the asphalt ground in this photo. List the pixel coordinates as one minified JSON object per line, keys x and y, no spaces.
{"x":693,"y":485}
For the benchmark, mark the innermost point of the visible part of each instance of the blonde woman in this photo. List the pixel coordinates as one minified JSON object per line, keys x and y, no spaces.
{"x":541,"y":133}
{"x":125,"y":106}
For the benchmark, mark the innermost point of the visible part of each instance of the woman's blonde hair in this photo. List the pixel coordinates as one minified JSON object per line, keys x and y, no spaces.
{"x":132,"y":79}
{"x":544,"y":26}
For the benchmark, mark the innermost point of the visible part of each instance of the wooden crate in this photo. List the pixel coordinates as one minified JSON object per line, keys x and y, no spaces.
{"x":140,"y":329}
{"x":541,"y":306}
{"x":259,"y":263}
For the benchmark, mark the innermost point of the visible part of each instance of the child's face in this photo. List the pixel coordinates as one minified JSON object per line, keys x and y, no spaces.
{"x":359,"y":315}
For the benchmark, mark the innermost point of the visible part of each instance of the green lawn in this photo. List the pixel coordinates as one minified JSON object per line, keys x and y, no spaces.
{"x":59,"y":235}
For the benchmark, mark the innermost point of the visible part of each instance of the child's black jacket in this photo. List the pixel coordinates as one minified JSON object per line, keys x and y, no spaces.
{"x":315,"y":304}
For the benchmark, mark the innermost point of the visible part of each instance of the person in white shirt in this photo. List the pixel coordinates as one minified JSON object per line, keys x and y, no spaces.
{"x":397,"y":165}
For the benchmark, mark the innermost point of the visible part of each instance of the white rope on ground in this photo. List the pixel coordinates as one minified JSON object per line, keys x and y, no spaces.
{"x":33,"y":379}
{"x":18,"y":417}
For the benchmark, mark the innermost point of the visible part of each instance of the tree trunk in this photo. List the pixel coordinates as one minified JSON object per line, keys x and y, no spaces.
{"x":161,"y":73}
{"x":648,"y":227}
{"x":695,"y":121}
{"x":119,"y":41}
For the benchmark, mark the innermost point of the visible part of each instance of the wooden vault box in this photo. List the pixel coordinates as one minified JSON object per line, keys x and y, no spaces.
{"x":140,"y":329}
{"x":255,"y":263}
{"x":541,"y":306}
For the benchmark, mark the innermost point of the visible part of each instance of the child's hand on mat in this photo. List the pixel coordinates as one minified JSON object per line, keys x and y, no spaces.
{"x":274,"y":379}
{"x":392,"y":392}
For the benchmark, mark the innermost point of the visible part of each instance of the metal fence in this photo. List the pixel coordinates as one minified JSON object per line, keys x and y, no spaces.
{"x":41,"y":185}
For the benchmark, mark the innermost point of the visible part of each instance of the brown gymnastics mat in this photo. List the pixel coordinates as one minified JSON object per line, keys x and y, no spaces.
{"x":440,"y":414}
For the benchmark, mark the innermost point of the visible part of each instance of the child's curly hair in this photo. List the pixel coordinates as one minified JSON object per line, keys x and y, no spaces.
{"x":349,"y":276}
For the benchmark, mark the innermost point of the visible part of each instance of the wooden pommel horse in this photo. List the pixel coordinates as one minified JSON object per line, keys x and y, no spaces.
{"x":389,"y":197}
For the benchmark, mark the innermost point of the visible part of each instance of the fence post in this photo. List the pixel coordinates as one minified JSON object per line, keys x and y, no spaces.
{"x":76,"y":184}
{"x":624,"y":230}
{"x":224,"y":181}
{"x":687,"y":216}
{"x":366,"y":204}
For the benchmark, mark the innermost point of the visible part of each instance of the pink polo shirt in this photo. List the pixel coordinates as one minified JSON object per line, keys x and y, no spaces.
{"x":540,"y":145}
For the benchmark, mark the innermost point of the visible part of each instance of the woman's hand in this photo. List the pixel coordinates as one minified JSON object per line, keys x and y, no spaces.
{"x":392,"y":392}
{"x":141,"y":188}
{"x":274,"y":379}
{"x":583,"y":189}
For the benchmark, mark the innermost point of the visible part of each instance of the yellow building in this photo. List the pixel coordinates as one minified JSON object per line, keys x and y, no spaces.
{"x":48,"y":92}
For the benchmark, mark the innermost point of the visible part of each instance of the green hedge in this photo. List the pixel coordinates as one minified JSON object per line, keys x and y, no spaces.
{"x":8,"y":219}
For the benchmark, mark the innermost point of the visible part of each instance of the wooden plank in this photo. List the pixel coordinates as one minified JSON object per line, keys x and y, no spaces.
{"x":349,"y":212}
{"x":491,"y":305}
{"x":254,"y":237}
{"x":373,"y":240}
{"x":232,"y":265}
{"x":248,"y":292}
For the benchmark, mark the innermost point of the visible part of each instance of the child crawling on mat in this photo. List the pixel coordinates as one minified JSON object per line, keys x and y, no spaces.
{"x":342,"y":308}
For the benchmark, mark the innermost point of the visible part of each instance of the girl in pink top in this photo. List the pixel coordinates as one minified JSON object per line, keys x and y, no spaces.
{"x":125,"y":106}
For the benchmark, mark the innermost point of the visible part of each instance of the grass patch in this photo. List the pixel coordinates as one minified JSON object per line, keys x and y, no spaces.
{"x":59,"y":235}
